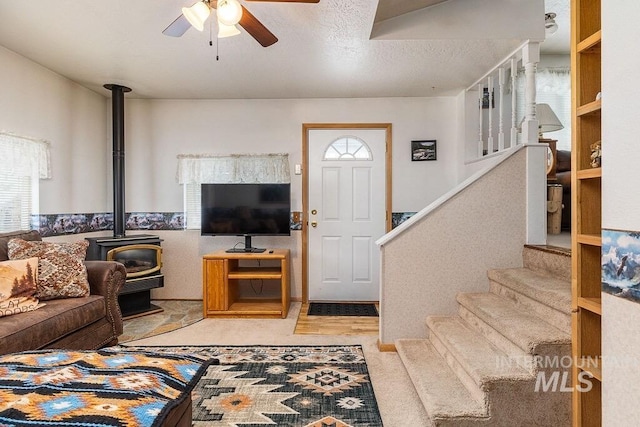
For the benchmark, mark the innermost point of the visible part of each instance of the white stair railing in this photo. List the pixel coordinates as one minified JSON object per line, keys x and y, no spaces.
{"x":491,"y":120}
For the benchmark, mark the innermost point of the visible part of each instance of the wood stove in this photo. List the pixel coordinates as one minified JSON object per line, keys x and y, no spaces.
{"x":142,"y":258}
{"x":141,"y":254}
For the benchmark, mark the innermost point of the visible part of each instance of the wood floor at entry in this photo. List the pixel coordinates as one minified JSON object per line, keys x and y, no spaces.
{"x":335,"y":325}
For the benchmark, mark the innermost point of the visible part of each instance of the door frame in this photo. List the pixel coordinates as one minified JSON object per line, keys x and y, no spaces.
{"x":306,"y":127}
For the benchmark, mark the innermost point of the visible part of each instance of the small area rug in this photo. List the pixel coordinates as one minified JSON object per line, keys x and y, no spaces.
{"x":342,"y":309}
{"x":282,"y":385}
{"x":177,"y":314}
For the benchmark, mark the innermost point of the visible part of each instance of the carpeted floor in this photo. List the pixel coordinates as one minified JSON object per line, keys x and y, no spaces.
{"x":177,"y":314}
{"x":282,"y":385}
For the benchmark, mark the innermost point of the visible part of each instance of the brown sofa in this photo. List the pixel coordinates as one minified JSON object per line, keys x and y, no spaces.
{"x":85,"y":323}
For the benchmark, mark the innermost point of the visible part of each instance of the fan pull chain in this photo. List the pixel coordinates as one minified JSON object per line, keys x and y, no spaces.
{"x":211,"y":39}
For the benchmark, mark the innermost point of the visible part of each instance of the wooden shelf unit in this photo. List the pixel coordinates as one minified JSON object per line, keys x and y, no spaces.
{"x":222,"y":271}
{"x":586,"y":182}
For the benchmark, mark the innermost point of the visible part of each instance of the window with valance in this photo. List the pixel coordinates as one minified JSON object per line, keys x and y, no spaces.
{"x":196,"y":169}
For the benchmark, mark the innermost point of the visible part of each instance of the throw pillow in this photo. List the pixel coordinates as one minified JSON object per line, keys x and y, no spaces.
{"x":61,"y":269}
{"x":19,"y":305}
{"x":17,"y":285}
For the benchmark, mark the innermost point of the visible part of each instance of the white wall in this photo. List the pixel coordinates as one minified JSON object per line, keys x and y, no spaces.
{"x":554,"y":61}
{"x":37,"y":103}
{"x":417,"y":285}
{"x":620,"y":203}
{"x":158,"y":130}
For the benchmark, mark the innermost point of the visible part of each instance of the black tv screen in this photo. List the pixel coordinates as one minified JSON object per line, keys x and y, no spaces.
{"x":245,"y":209}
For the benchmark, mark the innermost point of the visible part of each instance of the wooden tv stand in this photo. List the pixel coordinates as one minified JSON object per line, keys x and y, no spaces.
{"x":222,"y":271}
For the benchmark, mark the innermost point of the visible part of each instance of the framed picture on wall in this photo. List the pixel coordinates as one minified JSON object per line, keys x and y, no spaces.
{"x":423,"y":150}
{"x":485,"y":99}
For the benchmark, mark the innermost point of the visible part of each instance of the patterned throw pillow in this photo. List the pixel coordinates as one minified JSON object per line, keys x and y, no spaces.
{"x":61,"y":270}
{"x":17,"y":285}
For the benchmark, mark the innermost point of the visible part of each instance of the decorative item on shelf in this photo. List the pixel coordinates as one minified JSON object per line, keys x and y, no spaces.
{"x":423,"y":150}
{"x":598,"y":96}
{"x":596,"y":154}
{"x":554,"y":208}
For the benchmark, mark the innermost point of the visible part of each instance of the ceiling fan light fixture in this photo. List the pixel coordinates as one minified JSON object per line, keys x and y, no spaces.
{"x":229,"y":12}
{"x":550,"y":26}
{"x":197,"y":14}
{"x":227,"y":30}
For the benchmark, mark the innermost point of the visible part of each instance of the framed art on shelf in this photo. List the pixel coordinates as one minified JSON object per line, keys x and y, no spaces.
{"x":423,"y":150}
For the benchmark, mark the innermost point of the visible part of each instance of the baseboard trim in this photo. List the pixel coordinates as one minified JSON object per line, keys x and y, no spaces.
{"x":386,"y":347}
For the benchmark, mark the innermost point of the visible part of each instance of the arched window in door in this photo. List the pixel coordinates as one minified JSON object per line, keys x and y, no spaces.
{"x":348,"y":148}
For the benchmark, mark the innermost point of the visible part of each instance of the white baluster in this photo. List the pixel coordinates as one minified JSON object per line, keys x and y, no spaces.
{"x":530,"y":57}
{"x":490,"y":146}
{"x":501,"y":110}
{"x":480,"y":143}
{"x":514,"y":103}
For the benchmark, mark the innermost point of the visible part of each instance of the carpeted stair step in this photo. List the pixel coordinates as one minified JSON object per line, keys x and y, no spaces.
{"x":548,"y":296}
{"x":445,"y":398}
{"x":479,"y":364}
{"x":513,"y":329}
{"x":548,"y":259}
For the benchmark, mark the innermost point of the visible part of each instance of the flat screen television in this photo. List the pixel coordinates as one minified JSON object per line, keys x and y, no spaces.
{"x":245,"y":210}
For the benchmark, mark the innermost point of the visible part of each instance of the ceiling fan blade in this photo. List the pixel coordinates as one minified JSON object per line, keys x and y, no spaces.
{"x":178,"y":27}
{"x":258,"y":31}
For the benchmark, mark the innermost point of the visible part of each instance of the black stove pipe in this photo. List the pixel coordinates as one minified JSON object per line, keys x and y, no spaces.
{"x":117,"y":106}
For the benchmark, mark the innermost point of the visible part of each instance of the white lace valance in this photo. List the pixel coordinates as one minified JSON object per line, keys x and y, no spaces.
{"x":22,"y":156}
{"x":233,"y":168}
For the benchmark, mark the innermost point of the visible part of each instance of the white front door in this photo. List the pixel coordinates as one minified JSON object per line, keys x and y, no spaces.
{"x":346,"y":213}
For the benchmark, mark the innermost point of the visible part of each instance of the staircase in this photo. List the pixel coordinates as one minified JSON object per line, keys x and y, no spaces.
{"x":504,"y":359}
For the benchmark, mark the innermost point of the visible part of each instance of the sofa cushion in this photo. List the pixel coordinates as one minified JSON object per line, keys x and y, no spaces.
{"x":30,"y":235}
{"x":56,"y":319}
{"x":61,"y":269}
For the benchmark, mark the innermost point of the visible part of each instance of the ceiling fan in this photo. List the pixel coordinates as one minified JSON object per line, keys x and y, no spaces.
{"x":228,"y":13}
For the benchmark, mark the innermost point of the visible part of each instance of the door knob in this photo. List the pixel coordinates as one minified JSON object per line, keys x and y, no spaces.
{"x":314,"y":224}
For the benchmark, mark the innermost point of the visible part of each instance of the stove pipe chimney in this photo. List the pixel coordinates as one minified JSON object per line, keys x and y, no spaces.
{"x":117,"y":105}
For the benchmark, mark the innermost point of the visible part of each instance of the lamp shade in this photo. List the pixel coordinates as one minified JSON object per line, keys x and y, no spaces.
{"x":227,"y":30}
{"x":229,"y":12}
{"x":547,"y":119}
{"x":197,"y":14}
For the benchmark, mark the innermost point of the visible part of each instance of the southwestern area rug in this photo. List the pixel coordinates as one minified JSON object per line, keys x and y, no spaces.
{"x":314,"y":386}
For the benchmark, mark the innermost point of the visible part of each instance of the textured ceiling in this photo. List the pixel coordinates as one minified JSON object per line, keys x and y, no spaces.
{"x":391,"y":8}
{"x":324,"y":50}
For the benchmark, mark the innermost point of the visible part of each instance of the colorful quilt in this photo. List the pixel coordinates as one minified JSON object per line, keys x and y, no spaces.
{"x":95,"y":388}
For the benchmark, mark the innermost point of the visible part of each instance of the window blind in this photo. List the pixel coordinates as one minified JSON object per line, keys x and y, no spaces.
{"x":25,"y":162}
